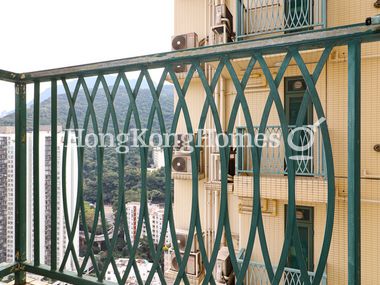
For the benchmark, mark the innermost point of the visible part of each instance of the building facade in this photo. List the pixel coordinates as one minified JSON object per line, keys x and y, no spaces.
{"x":3,"y":199}
{"x":202,"y":18}
{"x":156,"y":218}
{"x":7,"y":195}
{"x":7,"y":188}
{"x":158,"y":157}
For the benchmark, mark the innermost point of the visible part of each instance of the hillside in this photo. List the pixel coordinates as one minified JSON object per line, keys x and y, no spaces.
{"x":132,"y":162}
{"x":144,"y":102}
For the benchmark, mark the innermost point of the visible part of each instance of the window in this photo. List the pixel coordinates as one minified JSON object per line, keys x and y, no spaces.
{"x":305,"y":222}
{"x":295,"y":88}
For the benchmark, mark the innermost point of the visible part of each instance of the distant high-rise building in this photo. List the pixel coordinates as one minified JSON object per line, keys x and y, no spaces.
{"x":158,"y":157}
{"x":7,"y":190}
{"x":7,"y":195}
{"x":156,"y":218}
{"x":3,"y":199}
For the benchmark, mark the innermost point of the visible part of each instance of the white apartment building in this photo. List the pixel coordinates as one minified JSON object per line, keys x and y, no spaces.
{"x":7,"y":190}
{"x":7,"y":185}
{"x":158,"y":157}
{"x":3,"y":199}
{"x":156,"y":218}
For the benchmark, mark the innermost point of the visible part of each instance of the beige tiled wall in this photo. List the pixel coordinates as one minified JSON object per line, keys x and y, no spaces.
{"x":349,"y":12}
{"x":276,"y":187}
{"x":183,"y":203}
{"x":189,"y":16}
{"x":195,"y":98}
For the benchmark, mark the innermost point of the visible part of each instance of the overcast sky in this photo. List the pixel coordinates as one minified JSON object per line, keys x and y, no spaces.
{"x":42,"y":34}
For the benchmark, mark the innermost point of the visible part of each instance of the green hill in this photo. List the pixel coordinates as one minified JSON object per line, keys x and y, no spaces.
{"x":144,"y":102}
{"x":121,"y":103}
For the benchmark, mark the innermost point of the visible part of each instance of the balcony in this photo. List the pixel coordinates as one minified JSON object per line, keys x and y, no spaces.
{"x":261,"y":17}
{"x":28,"y":226}
{"x":257,"y":274}
{"x":308,"y":162}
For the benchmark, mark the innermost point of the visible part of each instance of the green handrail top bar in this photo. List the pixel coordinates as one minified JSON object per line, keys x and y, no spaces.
{"x":64,"y":276}
{"x":306,"y":40}
{"x":7,"y":269}
{"x":8,"y":76}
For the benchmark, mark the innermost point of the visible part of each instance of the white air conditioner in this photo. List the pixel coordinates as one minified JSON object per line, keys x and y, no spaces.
{"x":223,"y":17}
{"x":182,"y":239}
{"x":181,"y":42}
{"x":215,"y":171}
{"x":181,"y":163}
{"x":180,"y":68}
{"x":223,"y":266}
{"x":185,"y":41}
{"x":213,"y":141}
{"x":182,"y":142}
{"x":193,"y":265}
{"x":215,"y":174}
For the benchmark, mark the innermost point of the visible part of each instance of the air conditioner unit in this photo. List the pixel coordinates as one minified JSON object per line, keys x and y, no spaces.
{"x":179,"y":68}
{"x":181,"y":163}
{"x":215,"y":172}
{"x":181,"y":42}
{"x":223,"y":16}
{"x":193,"y":266}
{"x":223,"y":266}
{"x":185,"y":41}
{"x":213,"y":141}
{"x":182,"y":142}
{"x":183,"y":237}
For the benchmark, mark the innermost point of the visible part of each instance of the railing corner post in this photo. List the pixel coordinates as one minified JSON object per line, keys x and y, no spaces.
{"x":20,"y":183}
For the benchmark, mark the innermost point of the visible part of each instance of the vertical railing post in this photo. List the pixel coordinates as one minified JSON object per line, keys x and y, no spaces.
{"x":324,"y":14}
{"x":54,"y":184}
{"x":20,"y":193}
{"x":238,"y":19}
{"x":354,"y":120}
{"x":36,"y":173}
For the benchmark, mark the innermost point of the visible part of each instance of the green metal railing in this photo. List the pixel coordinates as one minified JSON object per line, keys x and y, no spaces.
{"x":291,"y":45}
{"x":309,"y":162}
{"x":258,"y":17}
